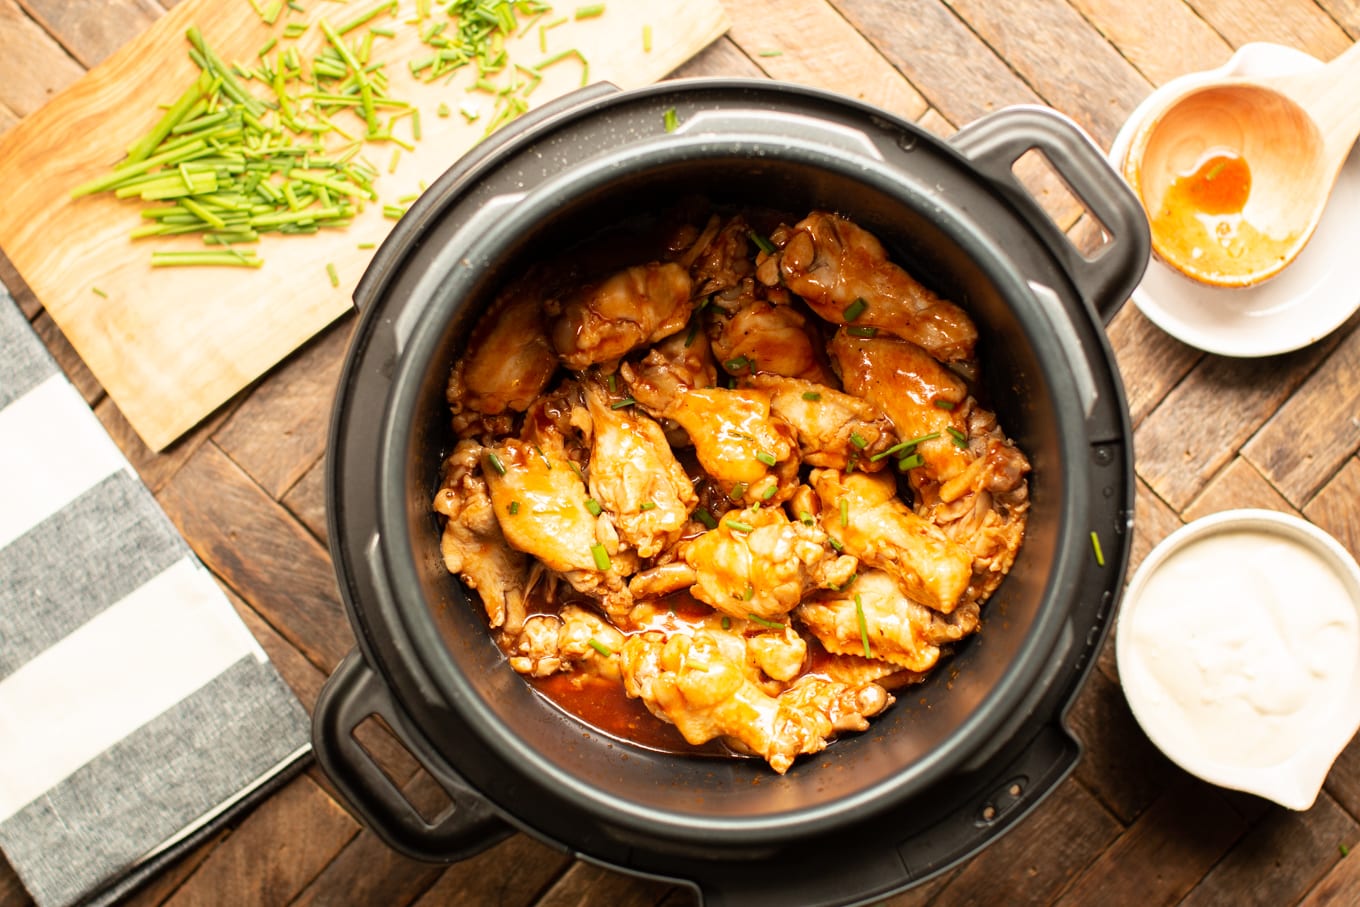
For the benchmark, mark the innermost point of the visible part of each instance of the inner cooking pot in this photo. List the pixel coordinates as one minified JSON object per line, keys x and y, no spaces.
{"x":957,"y":758}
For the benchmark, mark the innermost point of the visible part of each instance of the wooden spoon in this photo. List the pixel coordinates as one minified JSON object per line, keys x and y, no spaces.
{"x":1235,"y":175}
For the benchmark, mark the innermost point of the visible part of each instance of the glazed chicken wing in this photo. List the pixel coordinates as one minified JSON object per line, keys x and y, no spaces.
{"x":472,"y":543}
{"x":509,"y":360}
{"x":838,"y":267}
{"x":863,"y":511}
{"x":690,"y":682}
{"x":834,"y":428}
{"x":634,"y":475}
{"x":898,"y":629}
{"x":768,"y":655}
{"x":718,"y":257}
{"x":604,"y":321}
{"x":574,"y":639}
{"x":756,"y":335}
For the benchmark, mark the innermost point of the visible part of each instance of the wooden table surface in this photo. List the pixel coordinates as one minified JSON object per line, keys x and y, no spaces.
{"x":1211,"y":433}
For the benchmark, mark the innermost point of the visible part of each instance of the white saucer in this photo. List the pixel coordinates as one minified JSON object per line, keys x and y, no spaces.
{"x":1301,"y":305}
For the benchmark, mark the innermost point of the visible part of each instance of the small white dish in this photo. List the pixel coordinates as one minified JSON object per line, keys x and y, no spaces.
{"x":1238,"y":644}
{"x":1299,"y":306}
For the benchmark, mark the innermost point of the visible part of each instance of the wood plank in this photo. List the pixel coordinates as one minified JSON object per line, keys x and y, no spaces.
{"x":586,"y":884}
{"x":1040,"y":857}
{"x":1346,"y":13}
{"x":1337,"y":506}
{"x":1310,"y":436}
{"x":1300,"y":848}
{"x":18,"y":288}
{"x":1239,"y":485}
{"x":69,"y":360}
{"x":1163,"y":39}
{"x":1179,"y":838}
{"x":90,"y":30}
{"x":1150,"y":361}
{"x":279,"y":431}
{"x":511,"y":874}
{"x":306,"y":500}
{"x":157,"y":468}
{"x":1121,"y":766}
{"x":1199,"y":425}
{"x":33,"y":67}
{"x":1299,"y":23}
{"x":12,"y":892}
{"x":261,"y":552}
{"x":819,"y":47}
{"x":1341,"y":883}
{"x":162,"y":887}
{"x":957,"y":74}
{"x":273,"y":853}
{"x":1097,"y":87}
{"x":8,"y":119}
{"x":721,"y":58}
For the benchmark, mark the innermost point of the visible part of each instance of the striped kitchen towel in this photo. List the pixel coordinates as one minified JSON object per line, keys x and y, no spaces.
{"x":137,"y":712}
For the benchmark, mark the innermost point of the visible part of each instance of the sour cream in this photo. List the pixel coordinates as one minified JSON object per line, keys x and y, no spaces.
{"x":1239,"y":650}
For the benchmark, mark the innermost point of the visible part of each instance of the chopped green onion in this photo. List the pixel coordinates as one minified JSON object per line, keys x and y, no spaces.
{"x":736,"y":364}
{"x":756,"y":618}
{"x":855,"y":309}
{"x":670,"y":120}
{"x":910,"y":462}
{"x":835,"y":543}
{"x":442,"y":110}
{"x":230,"y":258}
{"x":601,"y":556}
{"x":703,"y":516}
{"x":806,"y":518}
{"x":332,"y":274}
{"x":748,"y":593}
{"x":646,"y":39}
{"x":960,"y":439}
{"x":599,"y":646}
{"x":903,"y":446}
{"x":844,"y":505}
{"x":727,"y":625}
{"x":738,"y":526}
{"x":761,"y":242}
{"x":513,"y":508}
{"x":863,"y":625}
{"x":496,"y":462}
{"x":594,"y":507}
{"x":944,"y":404}
{"x":859,"y":331}
{"x":1095,"y":546}
{"x":858,"y":440}
{"x":772,"y":52}
{"x":766,"y":458}
{"x":622,"y":404}
{"x":737,"y":491}
{"x":811,"y":396}
{"x":590,"y":12}
{"x":98,"y":292}
{"x":647,"y":505}
{"x":769,"y":492}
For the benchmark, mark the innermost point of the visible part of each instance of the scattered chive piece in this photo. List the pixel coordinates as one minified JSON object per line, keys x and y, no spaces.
{"x":811,"y":396}
{"x":594,"y":507}
{"x":737,"y":491}
{"x":748,"y":593}
{"x":910,"y":462}
{"x":738,"y":526}
{"x":861,"y":331}
{"x":514,"y":507}
{"x":945,"y":405}
{"x":590,"y":12}
{"x":230,"y":258}
{"x":366,"y":245}
{"x":647,"y":505}
{"x":766,"y":458}
{"x":98,"y":292}
{"x":612,"y":380}
{"x":1095,"y":546}
{"x":904,"y":446}
{"x":496,"y":462}
{"x":756,"y":618}
{"x":693,"y":331}
{"x":772,"y":52}
{"x":442,"y":110}
{"x":727,"y":625}
{"x":844,"y":505}
{"x":1345,"y":851}
{"x":769,"y":492}
{"x":670,"y":120}
{"x":858,"y":440}
{"x":863,"y":624}
{"x":599,"y":646}
{"x":855,"y":309}
{"x":601,"y":556}
{"x":621,"y":404}
{"x":576,"y":469}
{"x":960,"y":439}
{"x":646,"y":39}
{"x":805,"y":518}
{"x":835,"y":543}
{"x":736,"y":364}
{"x":332,"y":274}
{"x":761,"y":242}
{"x":703,"y":516}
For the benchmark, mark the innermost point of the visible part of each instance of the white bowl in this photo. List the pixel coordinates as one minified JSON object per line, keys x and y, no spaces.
{"x":1238,"y":645}
{"x":1306,"y":301}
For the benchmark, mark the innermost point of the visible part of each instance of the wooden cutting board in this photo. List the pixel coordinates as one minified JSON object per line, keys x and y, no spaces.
{"x":170,"y":345}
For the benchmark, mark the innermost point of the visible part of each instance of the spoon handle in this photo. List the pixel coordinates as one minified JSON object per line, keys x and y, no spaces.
{"x":1329,"y":95}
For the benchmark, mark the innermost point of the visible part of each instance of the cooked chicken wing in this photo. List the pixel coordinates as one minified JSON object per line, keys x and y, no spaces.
{"x":690,"y":682}
{"x":875,"y":610}
{"x":473,"y":545}
{"x":604,"y":321}
{"x":842,"y":271}
{"x":719,"y":257}
{"x":766,"y":653}
{"x":863,"y":512}
{"x":834,"y":429}
{"x":634,"y":475}
{"x":759,"y":564}
{"x":572,"y":639}
{"x":541,"y":504}
{"x":509,"y":360}
{"x":753,"y":334}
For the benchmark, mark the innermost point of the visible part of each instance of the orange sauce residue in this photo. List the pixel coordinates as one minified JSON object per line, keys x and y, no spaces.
{"x":1220,"y":185}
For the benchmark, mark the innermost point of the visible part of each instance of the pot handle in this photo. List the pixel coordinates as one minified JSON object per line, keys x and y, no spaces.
{"x":352,"y":694}
{"x":995,"y":142}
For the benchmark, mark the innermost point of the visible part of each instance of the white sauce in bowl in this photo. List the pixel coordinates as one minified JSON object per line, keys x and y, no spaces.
{"x":1238,"y":649}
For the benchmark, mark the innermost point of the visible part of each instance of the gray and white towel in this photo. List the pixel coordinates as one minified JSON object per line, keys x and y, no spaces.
{"x":137,"y":711}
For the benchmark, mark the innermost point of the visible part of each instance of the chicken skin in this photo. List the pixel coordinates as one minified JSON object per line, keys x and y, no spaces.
{"x":604,"y":321}
{"x":834,"y":429}
{"x":509,"y":361}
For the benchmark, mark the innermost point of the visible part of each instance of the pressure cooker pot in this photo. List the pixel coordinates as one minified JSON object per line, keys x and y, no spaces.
{"x":959,"y":758}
